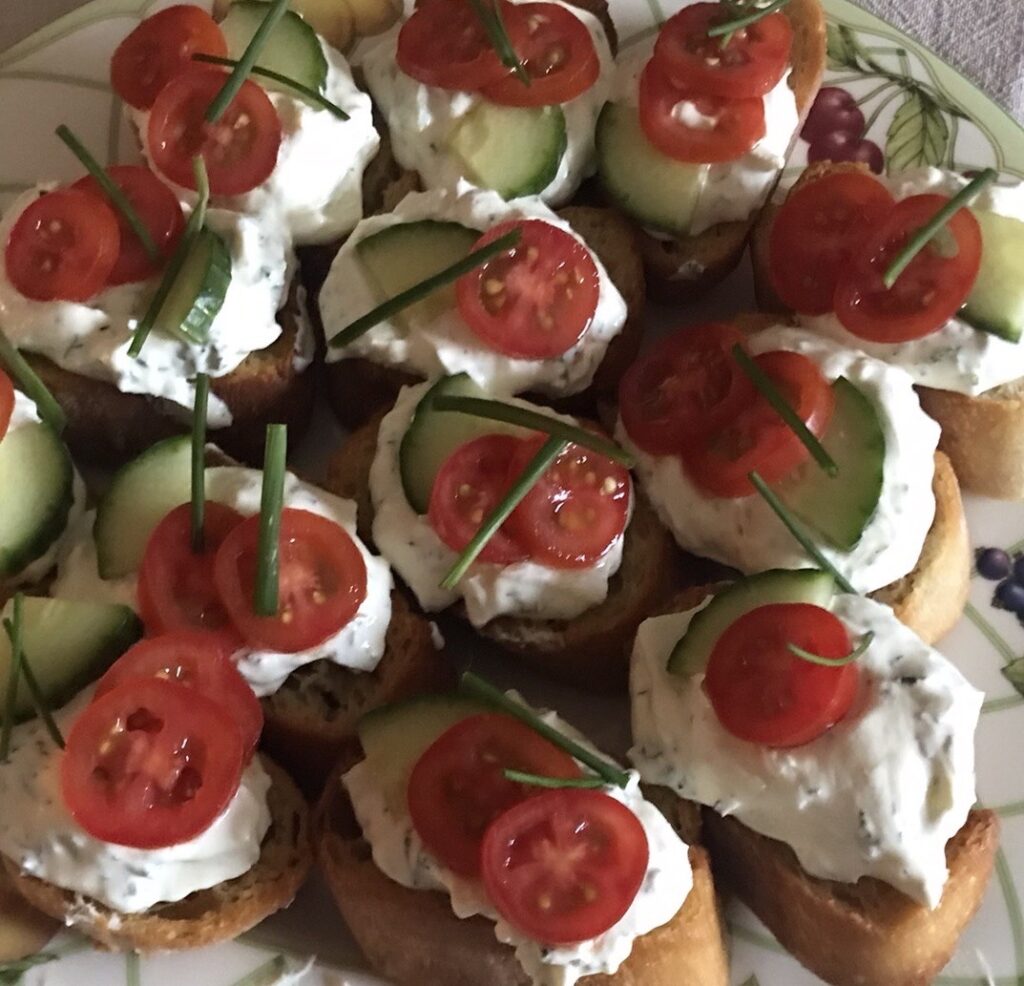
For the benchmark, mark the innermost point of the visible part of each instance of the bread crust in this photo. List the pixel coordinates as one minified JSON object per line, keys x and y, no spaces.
{"x":208,"y":916}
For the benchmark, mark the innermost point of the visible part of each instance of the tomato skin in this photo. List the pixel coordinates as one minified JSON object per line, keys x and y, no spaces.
{"x":565,"y":866}
{"x":757,"y":438}
{"x":6,"y":403}
{"x":738,"y":123}
{"x":927,"y":294}
{"x":157,"y":207}
{"x":63,"y":247}
{"x":762,"y":693}
{"x":159,"y":48}
{"x":240,"y":149}
{"x":197,"y":660}
{"x":536,"y":300}
{"x":457,"y":787}
{"x":752,"y":64}
{"x":151,"y":764}
{"x":322,"y":581}
{"x":818,"y":233}
{"x":683,"y":387}
{"x":556,"y":51}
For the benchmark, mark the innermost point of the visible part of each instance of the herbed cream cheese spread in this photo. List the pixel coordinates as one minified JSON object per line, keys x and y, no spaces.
{"x":358,"y":645}
{"x":401,"y":856}
{"x":422,"y":559}
{"x":957,"y":356}
{"x":880,"y":794}
{"x":433,"y":339}
{"x":38,"y":833}
{"x":744,"y":532}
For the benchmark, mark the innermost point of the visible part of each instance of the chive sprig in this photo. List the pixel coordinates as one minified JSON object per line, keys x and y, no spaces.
{"x":265,"y":597}
{"x":834,"y":662}
{"x":728,"y":28}
{"x":46,"y":404}
{"x":538,"y":780}
{"x":494,"y":24}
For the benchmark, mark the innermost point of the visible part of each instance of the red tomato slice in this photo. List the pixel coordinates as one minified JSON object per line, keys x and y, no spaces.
{"x":683,"y":388}
{"x":757,"y":438}
{"x":158,"y":208}
{"x":928,"y":293}
{"x":723,"y":129}
{"x":176,"y":586}
{"x":150,"y":764}
{"x":160,"y":47}
{"x":536,"y":300}
{"x":471,"y":482}
{"x":763,"y":693}
{"x":819,"y":232}
{"x":321,"y":581}
{"x":575,"y":512}
{"x":565,"y":866}
{"x":458,"y":787}
{"x":240,"y":149}
{"x":556,"y":51}
{"x":201,"y":661}
{"x":444,"y":44}
{"x":63,"y":247}
{"x":751,"y":64}
{"x":6,"y":403}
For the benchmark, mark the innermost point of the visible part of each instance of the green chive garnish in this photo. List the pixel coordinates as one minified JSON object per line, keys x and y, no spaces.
{"x":494,"y":25}
{"x":11,"y":972}
{"x":536,"y":780}
{"x":418,"y":292}
{"x":266,"y":73}
{"x":536,"y":468}
{"x":13,"y":675}
{"x":49,"y":410}
{"x":738,"y":23}
{"x":476,"y":687}
{"x":265,"y":975}
{"x":923,"y":236}
{"x":834,"y":662}
{"x":117,"y":198}
{"x":772,"y":394}
{"x":791,"y":525}
{"x":13,"y":628}
{"x":244,"y":64}
{"x":480,"y":407}
{"x":265,"y":597}
{"x":199,"y":463}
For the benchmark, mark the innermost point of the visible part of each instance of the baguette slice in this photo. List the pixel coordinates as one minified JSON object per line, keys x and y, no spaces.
{"x":23,"y":930}
{"x":412,"y":937}
{"x":207,"y":916}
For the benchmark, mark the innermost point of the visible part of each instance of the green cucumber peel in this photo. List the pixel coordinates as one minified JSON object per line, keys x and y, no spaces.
{"x":46,"y":404}
{"x":265,"y":598}
{"x":833,"y":662}
{"x":536,"y":780}
{"x":199,"y":463}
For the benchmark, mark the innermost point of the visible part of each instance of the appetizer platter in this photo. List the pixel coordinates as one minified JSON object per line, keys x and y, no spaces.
{"x":517,"y":493}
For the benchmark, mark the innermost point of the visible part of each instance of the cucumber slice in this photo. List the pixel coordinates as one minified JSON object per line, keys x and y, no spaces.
{"x":513,"y":150}
{"x":141,"y":494}
{"x":198,"y":291}
{"x":400,"y":256}
{"x":293,"y":49}
{"x":433,"y":435}
{"x":37,"y":478}
{"x":690,"y":655}
{"x":655,"y":190}
{"x":996,"y":302}
{"x":68,"y":644}
{"x":839,"y":508}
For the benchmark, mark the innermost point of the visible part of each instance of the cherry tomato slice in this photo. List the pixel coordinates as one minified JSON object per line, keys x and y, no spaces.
{"x":152,"y":763}
{"x":201,"y":661}
{"x":444,"y":44}
{"x":928,"y":293}
{"x":763,"y":693}
{"x":556,"y":51}
{"x":158,"y":208}
{"x":63,"y":247}
{"x":565,"y":866}
{"x":160,"y":47}
{"x":757,"y":438}
{"x":683,"y":388}
{"x":819,"y":231}
{"x":240,"y":149}
{"x":751,"y":64}
{"x":321,"y":581}
{"x":176,"y":586}
{"x":535,"y":300}
{"x":575,"y":512}
{"x":6,"y":403}
{"x":469,"y":485}
{"x":458,"y":787}
{"x":711,"y":130}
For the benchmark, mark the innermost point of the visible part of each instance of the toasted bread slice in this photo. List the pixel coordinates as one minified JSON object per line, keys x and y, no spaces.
{"x":207,"y":916}
{"x":412,"y":937}
{"x":23,"y":930}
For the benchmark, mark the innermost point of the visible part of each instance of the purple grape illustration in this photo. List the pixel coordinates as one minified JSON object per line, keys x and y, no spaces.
{"x":835,"y":130}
